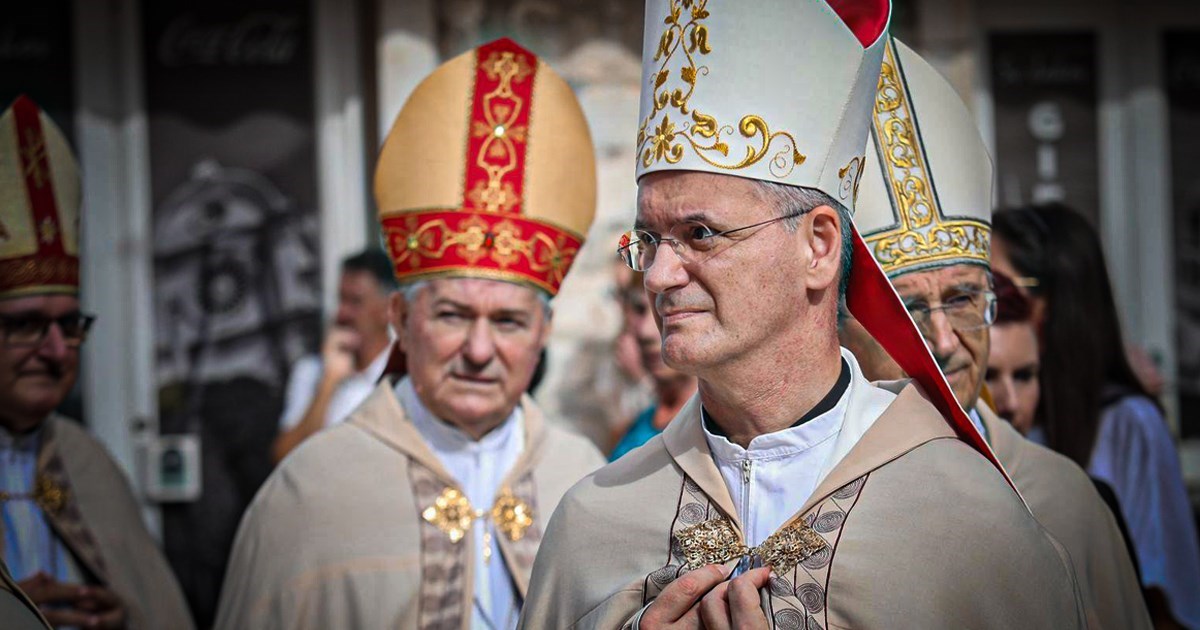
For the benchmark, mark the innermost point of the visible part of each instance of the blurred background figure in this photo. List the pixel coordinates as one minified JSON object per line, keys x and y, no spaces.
{"x":72,"y":532}
{"x":322,"y":390}
{"x":671,"y":388}
{"x":1012,"y":365}
{"x":1093,"y":407}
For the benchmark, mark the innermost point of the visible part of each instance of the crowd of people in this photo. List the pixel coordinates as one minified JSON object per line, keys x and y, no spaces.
{"x":876,"y":401}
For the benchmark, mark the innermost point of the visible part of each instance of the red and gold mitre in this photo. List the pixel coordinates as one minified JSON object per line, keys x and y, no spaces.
{"x":39,"y":205}
{"x":488,"y":172}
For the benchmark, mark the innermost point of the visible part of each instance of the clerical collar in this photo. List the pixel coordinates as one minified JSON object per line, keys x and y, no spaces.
{"x":29,"y":441}
{"x":823,"y":407}
{"x":445,"y":437}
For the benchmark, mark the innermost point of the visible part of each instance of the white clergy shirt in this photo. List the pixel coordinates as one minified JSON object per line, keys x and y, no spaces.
{"x":350,"y":393}
{"x":770,"y":481}
{"x":479,"y":467}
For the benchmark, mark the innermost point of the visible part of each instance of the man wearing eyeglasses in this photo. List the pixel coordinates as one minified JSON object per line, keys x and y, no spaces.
{"x":73,"y":538}
{"x":924,"y":210}
{"x":790,"y":492}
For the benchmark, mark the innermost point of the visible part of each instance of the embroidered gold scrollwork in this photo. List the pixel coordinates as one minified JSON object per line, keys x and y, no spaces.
{"x":417,"y":241}
{"x":850,"y":175}
{"x":47,"y":494}
{"x":498,"y":153}
{"x":685,"y":39}
{"x":717,"y":542}
{"x":923,"y":235}
{"x":954,"y":239}
{"x":452,"y":513}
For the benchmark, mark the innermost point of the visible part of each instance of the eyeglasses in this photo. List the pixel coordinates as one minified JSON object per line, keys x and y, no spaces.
{"x":966,"y":312}
{"x":638,"y":248}
{"x":30,"y":330}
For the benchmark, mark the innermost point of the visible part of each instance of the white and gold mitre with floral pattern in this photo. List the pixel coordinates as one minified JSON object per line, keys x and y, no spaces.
{"x":926,"y":196}
{"x":774,"y":90}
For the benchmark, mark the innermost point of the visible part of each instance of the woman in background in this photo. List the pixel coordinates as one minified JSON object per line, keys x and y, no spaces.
{"x":1093,"y":408}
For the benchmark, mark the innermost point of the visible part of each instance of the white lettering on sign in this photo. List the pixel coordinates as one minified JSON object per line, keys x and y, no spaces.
{"x":256,"y":39}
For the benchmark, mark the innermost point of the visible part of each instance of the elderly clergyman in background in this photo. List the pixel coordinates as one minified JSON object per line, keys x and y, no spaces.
{"x":425,"y":508}
{"x":73,"y":537}
{"x":924,"y":210}
{"x":791,"y":492}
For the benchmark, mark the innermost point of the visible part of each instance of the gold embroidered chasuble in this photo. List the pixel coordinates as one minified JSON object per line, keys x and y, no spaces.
{"x":91,"y":508}
{"x":912,"y":528}
{"x":362,"y":527}
{"x":1064,"y":500}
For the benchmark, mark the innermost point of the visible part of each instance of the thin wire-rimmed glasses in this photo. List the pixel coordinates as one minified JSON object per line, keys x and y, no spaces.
{"x":31,"y":330}
{"x":638,"y":248}
{"x":966,"y":312}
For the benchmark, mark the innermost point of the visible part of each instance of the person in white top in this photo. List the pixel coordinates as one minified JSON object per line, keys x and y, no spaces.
{"x":323,"y":389}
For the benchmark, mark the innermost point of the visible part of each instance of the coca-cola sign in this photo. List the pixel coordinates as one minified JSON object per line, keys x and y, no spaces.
{"x":262,"y":38}
{"x":23,"y":46}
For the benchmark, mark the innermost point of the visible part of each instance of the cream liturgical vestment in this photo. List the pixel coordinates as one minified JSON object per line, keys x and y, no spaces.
{"x":1065,"y":501}
{"x":92,"y":510}
{"x":364,"y":526}
{"x":16,"y":609}
{"x":911,"y":528}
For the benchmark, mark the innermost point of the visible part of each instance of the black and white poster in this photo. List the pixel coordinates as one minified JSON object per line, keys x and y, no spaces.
{"x":1044,"y":90}
{"x":36,"y":59}
{"x":229,"y":96}
{"x":1182,"y":76}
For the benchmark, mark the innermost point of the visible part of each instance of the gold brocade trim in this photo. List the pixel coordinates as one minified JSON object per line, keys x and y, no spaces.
{"x":453,"y":514}
{"x":717,"y":542}
{"x":33,"y":154}
{"x":923,"y":235}
{"x":498,"y":153}
{"x":704,"y":133}
{"x":47,"y":494}
{"x":475,"y":239}
{"x":851,"y":175}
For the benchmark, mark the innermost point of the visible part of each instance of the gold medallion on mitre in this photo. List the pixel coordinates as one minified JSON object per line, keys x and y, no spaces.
{"x":926,"y":196}
{"x":774,"y":90}
{"x":39,"y":205}
{"x":489,"y":172}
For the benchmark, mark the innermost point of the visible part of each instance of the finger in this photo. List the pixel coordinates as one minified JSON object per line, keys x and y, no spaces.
{"x":101,"y":598}
{"x":681,"y":595}
{"x":745,"y":603}
{"x":67,"y":617}
{"x":714,"y":609}
{"x":112,"y":620}
{"x":58,"y":593}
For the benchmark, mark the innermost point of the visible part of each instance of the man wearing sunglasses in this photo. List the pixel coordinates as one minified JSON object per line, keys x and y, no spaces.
{"x":790,"y":492}
{"x":934,"y":245}
{"x":73,"y":538}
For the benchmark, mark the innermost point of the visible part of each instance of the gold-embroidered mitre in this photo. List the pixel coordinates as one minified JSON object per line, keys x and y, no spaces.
{"x":39,"y":205}
{"x":488,"y":171}
{"x":775,"y":90}
{"x":926,"y":196}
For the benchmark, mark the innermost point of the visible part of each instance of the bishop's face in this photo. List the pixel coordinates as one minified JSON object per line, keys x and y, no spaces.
{"x":728,"y":303}
{"x":35,"y":377}
{"x":961,"y":349}
{"x":472,"y":346}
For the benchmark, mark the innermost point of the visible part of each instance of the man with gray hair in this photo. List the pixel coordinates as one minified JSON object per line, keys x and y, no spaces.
{"x":934,"y":248}
{"x":790,"y":492}
{"x":425,"y":508}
